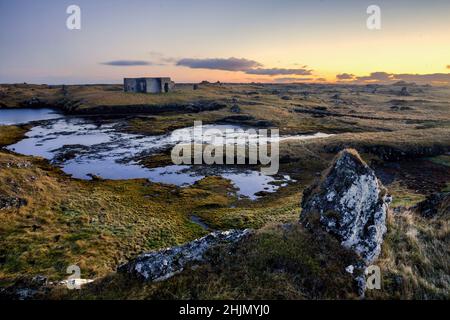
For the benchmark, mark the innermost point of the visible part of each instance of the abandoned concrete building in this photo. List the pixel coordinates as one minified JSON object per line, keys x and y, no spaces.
{"x":148,"y":85}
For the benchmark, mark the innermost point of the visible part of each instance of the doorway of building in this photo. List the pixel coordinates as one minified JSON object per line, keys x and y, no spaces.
{"x":166,"y":87}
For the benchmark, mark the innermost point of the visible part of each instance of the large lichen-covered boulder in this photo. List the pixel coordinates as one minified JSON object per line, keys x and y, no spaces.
{"x":163,"y":264}
{"x":350,"y":203}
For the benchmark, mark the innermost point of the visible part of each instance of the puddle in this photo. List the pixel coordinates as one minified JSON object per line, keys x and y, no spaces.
{"x":198,"y":221}
{"x":22,"y":116}
{"x":82,"y":149}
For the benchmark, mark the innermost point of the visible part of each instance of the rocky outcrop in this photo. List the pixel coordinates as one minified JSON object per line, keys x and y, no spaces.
{"x":25,"y":288}
{"x":7,"y":202}
{"x":163,"y":264}
{"x":76,"y":107}
{"x":350,"y":203}
{"x":34,"y":102}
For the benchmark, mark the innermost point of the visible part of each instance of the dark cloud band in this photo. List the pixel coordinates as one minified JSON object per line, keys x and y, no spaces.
{"x":345,"y":76}
{"x":390,"y":77}
{"x":127,"y":63}
{"x":243,"y":65}
{"x":279,"y":71}
{"x":230,"y":64}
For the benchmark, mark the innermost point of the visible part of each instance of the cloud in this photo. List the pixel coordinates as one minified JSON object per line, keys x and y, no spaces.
{"x":345,"y":76}
{"x":279,"y":71}
{"x":385,"y":77}
{"x":127,"y":63}
{"x":292,"y":79}
{"x":376,"y":76}
{"x":230,"y":64}
{"x":240,"y":64}
{"x":427,"y":78}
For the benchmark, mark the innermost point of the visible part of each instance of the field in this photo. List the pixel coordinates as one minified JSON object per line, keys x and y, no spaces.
{"x":50,"y":220}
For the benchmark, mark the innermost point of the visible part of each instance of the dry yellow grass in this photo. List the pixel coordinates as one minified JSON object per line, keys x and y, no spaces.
{"x":11,"y":134}
{"x":94,"y":224}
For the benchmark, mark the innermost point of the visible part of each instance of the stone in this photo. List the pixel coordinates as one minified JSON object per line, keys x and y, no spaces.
{"x":350,"y":269}
{"x":404,"y":92}
{"x":235,"y":109}
{"x":7,"y":202}
{"x":163,"y":264}
{"x":351,"y":204}
{"x":40,"y":280}
{"x":337,"y":96}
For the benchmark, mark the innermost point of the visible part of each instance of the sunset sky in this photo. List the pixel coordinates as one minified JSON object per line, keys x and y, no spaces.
{"x":229,"y":41}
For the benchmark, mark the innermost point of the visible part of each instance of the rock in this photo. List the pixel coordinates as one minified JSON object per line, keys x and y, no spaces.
{"x":7,"y":202}
{"x":350,"y":269}
{"x":68,"y":152}
{"x":286,"y":98}
{"x":305,"y":94}
{"x":94,"y":177}
{"x":20,"y":294}
{"x":39,"y":280}
{"x":350,"y":203}
{"x":337,"y":96}
{"x":33,"y":103}
{"x":15,"y":164}
{"x":404,"y":92}
{"x":163,"y":264}
{"x":25,"y":288}
{"x":235,"y":109}
{"x":435,"y":204}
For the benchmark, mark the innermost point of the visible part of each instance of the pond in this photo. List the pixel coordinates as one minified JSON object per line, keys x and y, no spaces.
{"x":84,"y":148}
{"x":21,"y":116}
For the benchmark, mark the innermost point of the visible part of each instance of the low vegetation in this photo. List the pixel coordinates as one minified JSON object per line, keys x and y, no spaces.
{"x":279,"y":262}
{"x":97,"y":224}
{"x":11,"y":134}
{"x":57,"y":221}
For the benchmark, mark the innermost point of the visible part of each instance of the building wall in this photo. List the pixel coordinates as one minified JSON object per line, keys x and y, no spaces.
{"x":147,"y":85}
{"x":153,"y":85}
{"x":129,"y":85}
{"x":134,"y":85}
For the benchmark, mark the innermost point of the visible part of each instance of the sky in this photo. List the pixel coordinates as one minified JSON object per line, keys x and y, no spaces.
{"x":227,"y":41}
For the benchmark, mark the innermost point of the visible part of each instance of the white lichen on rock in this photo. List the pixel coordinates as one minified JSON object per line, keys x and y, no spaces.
{"x":352,"y":205}
{"x":163,"y":264}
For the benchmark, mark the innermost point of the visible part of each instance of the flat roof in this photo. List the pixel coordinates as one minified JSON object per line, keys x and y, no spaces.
{"x":149,"y":78}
